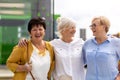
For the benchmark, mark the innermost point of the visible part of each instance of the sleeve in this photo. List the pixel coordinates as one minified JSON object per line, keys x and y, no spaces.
{"x":118,"y":52}
{"x":117,"y":44}
{"x":52,"y":42}
{"x":50,"y":48}
{"x":14,"y":59}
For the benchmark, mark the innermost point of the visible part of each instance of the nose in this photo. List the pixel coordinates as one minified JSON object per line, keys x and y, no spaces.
{"x":38,"y":31}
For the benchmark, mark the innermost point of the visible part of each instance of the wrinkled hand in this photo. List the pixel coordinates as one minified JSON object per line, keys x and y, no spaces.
{"x":22,"y":42}
{"x":118,"y":77}
{"x":28,"y":67}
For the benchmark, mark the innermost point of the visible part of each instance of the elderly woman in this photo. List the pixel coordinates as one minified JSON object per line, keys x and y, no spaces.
{"x":68,"y":58}
{"x":36,"y":59}
{"x":101,"y":53}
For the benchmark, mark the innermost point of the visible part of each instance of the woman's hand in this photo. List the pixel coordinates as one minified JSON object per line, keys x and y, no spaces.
{"x":21,"y":68}
{"x":118,"y":77}
{"x":28,"y":67}
{"x":22,"y":42}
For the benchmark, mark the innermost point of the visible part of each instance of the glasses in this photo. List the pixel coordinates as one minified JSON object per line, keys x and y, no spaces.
{"x":93,"y":25}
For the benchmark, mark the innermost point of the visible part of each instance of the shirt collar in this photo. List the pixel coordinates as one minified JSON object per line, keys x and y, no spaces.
{"x":108,"y":39}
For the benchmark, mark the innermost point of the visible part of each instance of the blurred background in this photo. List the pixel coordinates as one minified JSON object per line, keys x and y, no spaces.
{"x":15,"y":14}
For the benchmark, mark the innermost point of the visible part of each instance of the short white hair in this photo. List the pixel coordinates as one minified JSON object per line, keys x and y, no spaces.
{"x":62,"y":23}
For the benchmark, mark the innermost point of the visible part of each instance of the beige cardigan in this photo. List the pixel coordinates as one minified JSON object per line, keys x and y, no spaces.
{"x":19,"y":57}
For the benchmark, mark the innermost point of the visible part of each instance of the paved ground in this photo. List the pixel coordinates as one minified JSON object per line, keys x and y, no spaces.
{"x":5,"y":74}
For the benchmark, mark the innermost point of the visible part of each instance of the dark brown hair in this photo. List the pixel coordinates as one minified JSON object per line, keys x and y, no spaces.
{"x":36,"y":21}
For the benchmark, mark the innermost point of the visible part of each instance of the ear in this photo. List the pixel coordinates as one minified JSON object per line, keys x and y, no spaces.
{"x":29,"y":33}
{"x":105,"y":28}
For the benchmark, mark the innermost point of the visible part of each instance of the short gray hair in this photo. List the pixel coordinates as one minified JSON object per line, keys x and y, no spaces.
{"x":62,"y":23}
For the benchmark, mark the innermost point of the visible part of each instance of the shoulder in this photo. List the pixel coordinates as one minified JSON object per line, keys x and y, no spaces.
{"x":55,"y":42}
{"x":115,"y":41}
{"x":88,"y":42}
{"x":48,"y":45}
{"x":17,"y":52}
{"x":79,"y":40}
{"x":18,"y":49}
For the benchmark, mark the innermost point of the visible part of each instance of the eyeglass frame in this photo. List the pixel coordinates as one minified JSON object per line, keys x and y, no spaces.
{"x":94,"y":25}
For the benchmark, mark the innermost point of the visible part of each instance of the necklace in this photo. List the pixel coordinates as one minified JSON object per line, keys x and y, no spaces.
{"x":42,"y":50}
{"x":41,"y":47}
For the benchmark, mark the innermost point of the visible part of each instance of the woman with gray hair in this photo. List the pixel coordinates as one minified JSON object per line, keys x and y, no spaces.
{"x":68,"y":58}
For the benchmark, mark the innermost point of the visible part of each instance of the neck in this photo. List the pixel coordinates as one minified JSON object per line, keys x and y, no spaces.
{"x":101,"y":39}
{"x":37,"y":42}
{"x":40,"y":46}
{"x":67,"y":40}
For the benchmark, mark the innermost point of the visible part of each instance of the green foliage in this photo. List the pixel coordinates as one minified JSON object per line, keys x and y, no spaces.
{"x":6,"y":50}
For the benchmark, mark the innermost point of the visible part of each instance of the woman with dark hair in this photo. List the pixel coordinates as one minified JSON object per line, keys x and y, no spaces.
{"x":36,"y":60}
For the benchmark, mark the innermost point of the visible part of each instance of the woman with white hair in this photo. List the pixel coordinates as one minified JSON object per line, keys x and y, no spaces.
{"x":68,"y":59}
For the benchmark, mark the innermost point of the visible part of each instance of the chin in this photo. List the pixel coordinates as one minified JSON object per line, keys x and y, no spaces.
{"x":38,"y":39}
{"x":93,"y":34}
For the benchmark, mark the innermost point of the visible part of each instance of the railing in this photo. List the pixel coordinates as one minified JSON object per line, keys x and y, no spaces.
{"x":5,"y":74}
{"x":5,"y":78}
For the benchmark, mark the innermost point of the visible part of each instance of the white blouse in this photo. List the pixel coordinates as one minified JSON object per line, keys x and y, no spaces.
{"x":40,"y":65}
{"x":69,"y":63}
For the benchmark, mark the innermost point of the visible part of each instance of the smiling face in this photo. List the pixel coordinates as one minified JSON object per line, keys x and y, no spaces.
{"x":37,"y":33}
{"x":36,"y":29}
{"x":66,"y":27}
{"x":69,"y":32}
{"x":97,"y":28}
{"x":100,"y":26}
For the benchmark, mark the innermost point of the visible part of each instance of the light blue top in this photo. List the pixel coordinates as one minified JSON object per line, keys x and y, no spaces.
{"x":101,"y":59}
